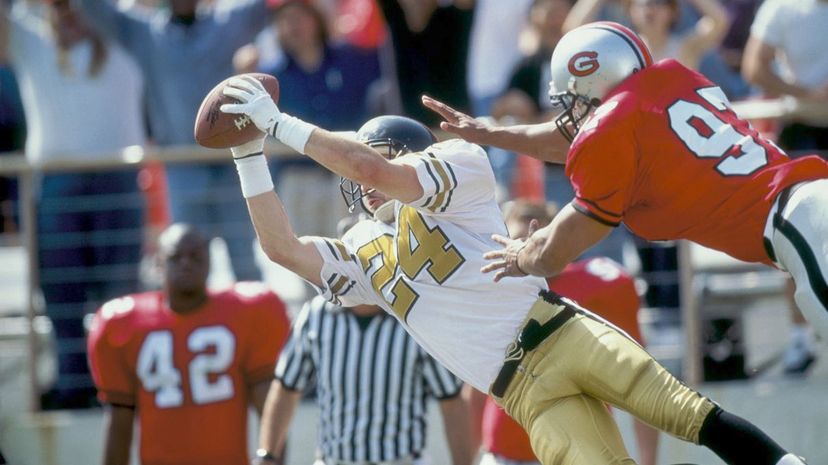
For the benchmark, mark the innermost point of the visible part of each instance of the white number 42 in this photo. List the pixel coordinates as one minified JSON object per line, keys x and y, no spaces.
{"x":158,"y":373}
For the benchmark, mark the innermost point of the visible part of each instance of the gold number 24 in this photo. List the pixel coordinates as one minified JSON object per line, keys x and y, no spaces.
{"x":432,"y":252}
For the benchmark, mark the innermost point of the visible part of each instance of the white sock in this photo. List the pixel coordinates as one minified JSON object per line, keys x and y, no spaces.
{"x":801,"y":335}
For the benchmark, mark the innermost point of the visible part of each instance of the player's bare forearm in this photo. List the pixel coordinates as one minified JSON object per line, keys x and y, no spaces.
{"x":362,"y":164}
{"x":563,"y":240}
{"x":119,"y":424}
{"x":258,"y":395}
{"x":542,"y":141}
{"x":279,"y":409}
{"x":455,"y":418}
{"x":278,"y":240}
{"x":537,"y":257}
{"x":582,"y":12}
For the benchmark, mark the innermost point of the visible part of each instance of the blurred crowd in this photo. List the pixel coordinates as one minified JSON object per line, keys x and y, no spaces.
{"x":82,"y":79}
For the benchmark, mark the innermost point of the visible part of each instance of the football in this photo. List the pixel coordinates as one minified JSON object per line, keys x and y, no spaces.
{"x":218,"y":130}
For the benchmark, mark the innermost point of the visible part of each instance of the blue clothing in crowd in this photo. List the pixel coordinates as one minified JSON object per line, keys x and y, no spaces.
{"x":334,"y":96}
{"x":182,"y":61}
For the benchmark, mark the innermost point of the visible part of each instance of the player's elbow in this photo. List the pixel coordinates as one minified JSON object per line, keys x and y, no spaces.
{"x":280,"y":251}
{"x":273,"y":253}
{"x":377,"y":173}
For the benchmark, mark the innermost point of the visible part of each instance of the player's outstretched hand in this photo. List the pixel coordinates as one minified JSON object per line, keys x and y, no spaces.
{"x":471,"y":129}
{"x":505,"y":260}
{"x":254,"y":101}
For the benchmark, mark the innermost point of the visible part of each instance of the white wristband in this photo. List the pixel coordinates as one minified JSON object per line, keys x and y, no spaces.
{"x":254,"y":175}
{"x":293,"y":132}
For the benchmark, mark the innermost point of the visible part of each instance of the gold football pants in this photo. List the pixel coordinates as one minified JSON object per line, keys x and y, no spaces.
{"x":560,"y":388}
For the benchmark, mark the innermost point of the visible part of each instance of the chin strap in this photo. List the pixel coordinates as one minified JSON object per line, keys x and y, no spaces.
{"x":385,"y":212}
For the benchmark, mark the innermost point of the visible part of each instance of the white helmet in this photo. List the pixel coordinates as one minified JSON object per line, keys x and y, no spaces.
{"x":587,"y":63}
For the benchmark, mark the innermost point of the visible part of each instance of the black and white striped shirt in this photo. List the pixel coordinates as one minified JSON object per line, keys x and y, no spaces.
{"x":373,"y":382}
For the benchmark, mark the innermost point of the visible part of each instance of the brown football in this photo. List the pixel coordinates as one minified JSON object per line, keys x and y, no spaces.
{"x":218,"y":130}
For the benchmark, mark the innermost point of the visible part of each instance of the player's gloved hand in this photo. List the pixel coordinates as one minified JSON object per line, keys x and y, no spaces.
{"x":255,"y":102}
{"x":505,"y":260}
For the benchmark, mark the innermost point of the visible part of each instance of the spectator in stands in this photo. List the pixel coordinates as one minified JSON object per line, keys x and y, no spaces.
{"x":654,"y":21}
{"x":598,"y":283}
{"x":360,"y":23}
{"x":782,"y":38}
{"x":323,"y":82}
{"x":525,"y":97}
{"x":494,"y":49}
{"x":185,"y":362}
{"x":89,"y":224}
{"x":741,"y":14}
{"x":183,"y":52}
{"x":430,"y":40}
{"x":373,"y":383}
{"x":12,"y":138}
{"x":785,"y":33}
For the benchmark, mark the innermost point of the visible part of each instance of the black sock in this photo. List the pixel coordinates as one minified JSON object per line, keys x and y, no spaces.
{"x":737,"y":441}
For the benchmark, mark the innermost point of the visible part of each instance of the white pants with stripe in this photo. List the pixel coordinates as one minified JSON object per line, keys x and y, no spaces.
{"x":799,"y":237}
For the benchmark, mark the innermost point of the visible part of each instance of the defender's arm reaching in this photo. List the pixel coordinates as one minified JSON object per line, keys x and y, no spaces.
{"x":548,"y":250}
{"x":542,"y":141}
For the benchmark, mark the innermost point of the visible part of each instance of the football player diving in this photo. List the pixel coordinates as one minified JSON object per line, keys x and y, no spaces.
{"x":549,"y":362}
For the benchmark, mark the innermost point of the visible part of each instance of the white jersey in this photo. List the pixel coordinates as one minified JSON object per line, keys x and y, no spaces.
{"x":425,"y":267}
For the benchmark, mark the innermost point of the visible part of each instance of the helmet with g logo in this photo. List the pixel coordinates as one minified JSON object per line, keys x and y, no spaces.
{"x":587,"y":63}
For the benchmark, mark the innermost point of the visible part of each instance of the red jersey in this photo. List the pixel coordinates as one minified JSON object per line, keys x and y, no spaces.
{"x":598,"y":284}
{"x":188,"y":375}
{"x":666,"y":155}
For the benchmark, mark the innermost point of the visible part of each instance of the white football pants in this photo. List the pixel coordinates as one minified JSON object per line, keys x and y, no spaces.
{"x":797,"y":228}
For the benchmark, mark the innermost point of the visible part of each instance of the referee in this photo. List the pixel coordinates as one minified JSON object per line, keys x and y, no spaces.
{"x":373,"y":385}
